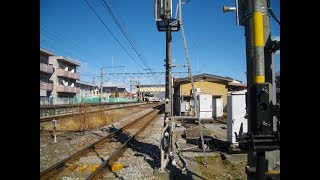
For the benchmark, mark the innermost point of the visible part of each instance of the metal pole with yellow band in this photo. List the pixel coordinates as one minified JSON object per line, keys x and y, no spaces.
{"x":258,"y":41}
{"x":258,"y":51}
{"x":261,"y":136}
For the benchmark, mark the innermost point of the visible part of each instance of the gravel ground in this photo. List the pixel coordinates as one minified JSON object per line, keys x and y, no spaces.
{"x":141,"y":158}
{"x":71,"y":142}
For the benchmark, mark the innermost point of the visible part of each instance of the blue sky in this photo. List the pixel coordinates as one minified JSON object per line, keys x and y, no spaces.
{"x":216,"y":45}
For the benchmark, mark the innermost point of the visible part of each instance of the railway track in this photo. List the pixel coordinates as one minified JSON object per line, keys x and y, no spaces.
{"x":105,"y":151}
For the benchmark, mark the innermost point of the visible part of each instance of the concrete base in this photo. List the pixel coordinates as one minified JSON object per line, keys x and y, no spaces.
{"x":163,"y":175}
{"x":272,"y":157}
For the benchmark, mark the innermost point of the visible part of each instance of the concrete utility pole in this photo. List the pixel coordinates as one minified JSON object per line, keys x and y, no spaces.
{"x":101,"y":76}
{"x":164,"y":22}
{"x":258,"y":49}
{"x":262,"y":133}
{"x":101,"y":83}
{"x":168,"y":94}
{"x":139,"y":88}
{"x":94,"y":80}
{"x":251,"y":159}
{"x":269,"y":51}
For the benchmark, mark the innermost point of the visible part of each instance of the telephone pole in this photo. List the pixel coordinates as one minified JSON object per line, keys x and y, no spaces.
{"x":101,"y":83}
{"x":262,"y":134}
{"x":168,"y":94}
{"x":101,"y":76}
{"x":164,"y":22}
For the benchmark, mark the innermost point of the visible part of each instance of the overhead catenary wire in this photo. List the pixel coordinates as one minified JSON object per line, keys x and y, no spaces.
{"x":62,"y":50}
{"x":124,"y":31}
{"x":50,"y":38}
{"x":271,"y":12}
{"x":112,"y":34}
{"x":55,"y":41}
{"x":87,"y":74}
{"x":58,"y":48}
{"x":124,"y":24}
{"x":127,"y":35}
{"x":56,"y":36}
{"x":84,"y":74}
{"x":61,"y":44}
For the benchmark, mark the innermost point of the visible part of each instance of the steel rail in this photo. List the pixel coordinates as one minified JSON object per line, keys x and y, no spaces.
{"x":56,"y":168}
{"x":108,"y":162}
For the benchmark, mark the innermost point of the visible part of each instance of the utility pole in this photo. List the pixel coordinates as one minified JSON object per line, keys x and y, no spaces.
{"x":101,"y":83}
{"x":262,"y":136}
{"x":168,"y":94}
{"x":251,"y":159}
{"x":258,"y":53}
{"x":269,"y":50}
{"x":164,"y":22}
{"x":139,"y":88}
{"x":130,"y":85}
{"x":101,"y":76}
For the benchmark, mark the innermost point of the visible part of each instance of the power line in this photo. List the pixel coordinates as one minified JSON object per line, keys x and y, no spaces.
{"x":271,"y":12}
{"x":56,"y":46}
{"x":68,"y":53}
{"x":124,"y":32}
{"x":65,"y":41}
{"x":87,"y":73}
{"x":112,"y":34}
{"x":59,"y":49}
{"x":78,"y":58}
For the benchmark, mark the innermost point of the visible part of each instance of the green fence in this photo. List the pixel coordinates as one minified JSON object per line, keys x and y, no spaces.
{"x":86,"y":99}
{"x":82,"y":100}
{"x":122,"y":99}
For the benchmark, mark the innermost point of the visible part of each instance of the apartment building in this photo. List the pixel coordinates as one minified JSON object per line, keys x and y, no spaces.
{"x":64,"y":77}
{"x":87,"y":89}
{"x":46,"y":71}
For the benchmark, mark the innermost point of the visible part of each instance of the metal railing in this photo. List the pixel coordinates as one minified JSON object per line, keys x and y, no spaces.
{"x":68,"y":74}
{"x":68,"y":89}
{"x":46,"y":86}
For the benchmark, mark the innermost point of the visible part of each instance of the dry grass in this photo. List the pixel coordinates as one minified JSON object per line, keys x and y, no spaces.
{"x":88,"y":121}
{"x":221,"y":169}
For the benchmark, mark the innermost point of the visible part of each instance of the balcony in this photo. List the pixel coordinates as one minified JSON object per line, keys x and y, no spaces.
{"x":67,"y":89}
{"x":46,"y":68}
{"x":46,"y":86}
{"x":68,"y":74}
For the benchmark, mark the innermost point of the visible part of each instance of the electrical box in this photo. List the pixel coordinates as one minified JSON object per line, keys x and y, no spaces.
{"x":183,"y":106}
{"x":205,"y":106}
{"x":217,"y":107}
{"x":159,"y":10}
{"x":236,"y":114}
